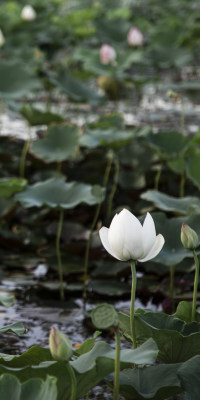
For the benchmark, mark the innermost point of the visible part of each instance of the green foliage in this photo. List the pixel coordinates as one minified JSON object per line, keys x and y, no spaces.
{"x":56,"y":193}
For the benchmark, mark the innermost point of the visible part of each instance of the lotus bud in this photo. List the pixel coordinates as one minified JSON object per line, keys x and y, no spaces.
{"x":189,"y":237}
{"x":28,"y":13}
{"x":107,"y":54}
{"x":60,"y":346}
{"x":2,"y":38}
{"x":127,"y":239}
{"x":135,"y":37}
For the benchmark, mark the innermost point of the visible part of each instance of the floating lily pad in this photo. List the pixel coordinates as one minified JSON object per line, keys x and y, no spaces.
{"x":7,"y":300}
{"x":9,"y":186}
{"x":109,"y":287}
{"x":59,"y":144}
{"x":16,"y":327}
{"x":169,"y":203}
{"x":16,"y":81}
{"x":36,"y":117}
{"x":57,"y":193}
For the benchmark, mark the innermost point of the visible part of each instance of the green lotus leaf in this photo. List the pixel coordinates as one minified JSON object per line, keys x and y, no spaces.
{"x":7,"y":301}
{"x":9,"y":186}
{"x":110,"y":137}
{"x":76,"y":90}
{"x":36,"y":117}
{"x":168,"y":144}
{"x":16,"y":81}
{"x":59,"y":144}
{"x":12,"y":389}
{"x":153,"y":383}
{"x":57,"y":193}
{"x":90,"y":368}
{"x":188,"y":374}
{"x":16,"y":327}
{"x":176,"y":341}
{"x":193,"y":168}
{"x":169,"y":203}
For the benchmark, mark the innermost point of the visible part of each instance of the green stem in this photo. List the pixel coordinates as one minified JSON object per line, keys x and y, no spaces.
{"x":171,"y":283}
{"x":96,"y":215}
{"x":60,"y":271}
{"x":114,"y":188}
{"x":157,"y":177}
{"x":196,"y":282}
{"x":182,"y":117}
{"x":117,"y":365}
{"x":23,"y":158}
{"x":132,"y":310}
{"x":182,"y":181}
{"x":87,"y":251}
{"x":73,"y":381}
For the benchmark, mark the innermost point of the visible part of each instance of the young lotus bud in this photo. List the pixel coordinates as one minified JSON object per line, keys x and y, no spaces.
{"x":135,"y":37}
{"x":60,"y":346}
{"x":2,"y":38}
{"x":189,"y":237}
{"x":28,"y":13}
{"x":107,"y":54}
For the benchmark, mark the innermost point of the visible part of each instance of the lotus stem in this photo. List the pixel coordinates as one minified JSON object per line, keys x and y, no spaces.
{"x":114,"y":187}
{"x":23,"y":155}
{"x":196,"y":282}
{"x":60,"y":270}
{"x":132,"y":309}
{"x":171,"y":283}
{"x":96,"y":215}
{"x":182,"y":181}
{"x":117,"y":365}
{"x":73,"y":381}
{"x":182,"y":123}
{"x":157,"y":177}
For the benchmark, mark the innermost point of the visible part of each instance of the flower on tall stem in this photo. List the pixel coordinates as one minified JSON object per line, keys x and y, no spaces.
{"x":127,"y":239}
{"x":135,"y":37}
{"x":107,"y":54}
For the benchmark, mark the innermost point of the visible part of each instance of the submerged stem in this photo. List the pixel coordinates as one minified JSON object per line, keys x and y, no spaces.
{"x":132,"y":311}
{"x":60,"y":271}
{"x":117,"y":365}
{"x":23,"y":158}
{"x":196,"y":282}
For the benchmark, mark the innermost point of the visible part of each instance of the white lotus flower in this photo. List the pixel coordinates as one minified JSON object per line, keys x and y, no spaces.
{"x":135,"y":37}
{"x":127,"y":239}
{"x":2,"y":38}
{"x":28,"y":13}
{"x":107,"y":54}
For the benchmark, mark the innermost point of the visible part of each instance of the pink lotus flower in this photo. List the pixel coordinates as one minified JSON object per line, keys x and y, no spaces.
{"x":107,"y":54}
{"x":135,"y":37}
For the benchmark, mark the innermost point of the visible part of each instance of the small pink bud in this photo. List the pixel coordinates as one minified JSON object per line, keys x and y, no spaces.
{"x":135,"y":37}
{"x":107,"y":54}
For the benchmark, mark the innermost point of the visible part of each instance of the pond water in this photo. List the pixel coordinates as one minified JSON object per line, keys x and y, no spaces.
{"x":39,"y":313}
